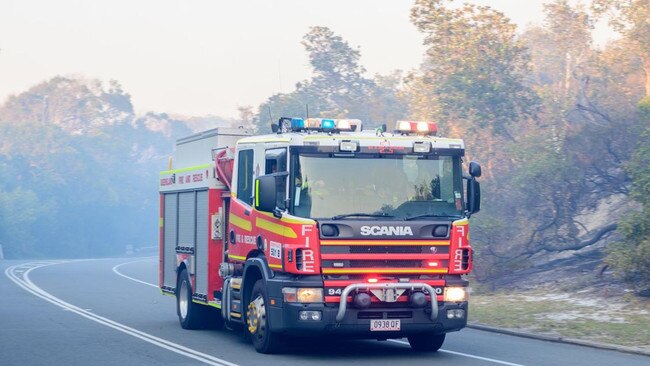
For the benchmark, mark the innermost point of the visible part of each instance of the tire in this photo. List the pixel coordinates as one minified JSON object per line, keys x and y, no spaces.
{"x":189,"y":313}
{"x":426,"y":342}
{"x":257,"y":321}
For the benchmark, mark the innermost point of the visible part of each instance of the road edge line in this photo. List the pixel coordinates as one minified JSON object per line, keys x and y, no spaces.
{"x":558,"y":339}
{"x":23,"y":280}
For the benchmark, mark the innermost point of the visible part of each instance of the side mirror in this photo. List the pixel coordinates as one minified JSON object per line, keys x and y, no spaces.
{"x":265,"y":193}
{"x":474,"y":169}
{"x":473,"y":195}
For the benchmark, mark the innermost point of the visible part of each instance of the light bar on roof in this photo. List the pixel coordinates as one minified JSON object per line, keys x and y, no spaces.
{"x":416,"y":127}
{"x":320,"y":124}
{"x":348,"y":124}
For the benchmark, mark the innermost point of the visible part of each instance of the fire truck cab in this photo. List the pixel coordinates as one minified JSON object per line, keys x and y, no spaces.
{"x":320,"y":228}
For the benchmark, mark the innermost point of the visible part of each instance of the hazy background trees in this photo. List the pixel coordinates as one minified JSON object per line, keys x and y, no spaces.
{"x":561,"y":127}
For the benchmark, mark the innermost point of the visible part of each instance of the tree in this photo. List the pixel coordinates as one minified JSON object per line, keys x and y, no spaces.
{"x":570,"y":30}
{"x":631,"y":256}
{"x":630,"y":18}
{"x":246,"y":116}
{"x":337,"y":88}
{"x":475,"y":66}
{"x":79,"y":171}
{"x":335,"y":64}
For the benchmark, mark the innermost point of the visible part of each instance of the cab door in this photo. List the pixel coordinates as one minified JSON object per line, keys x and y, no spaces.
{"x":241,"y":237}
{"x":271,"y":230}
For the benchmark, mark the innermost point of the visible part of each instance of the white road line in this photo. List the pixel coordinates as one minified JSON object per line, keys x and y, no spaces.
{"x":131,"y":278}
{"x":392,"y":340}
{"x":467,"y":355}
{"x":30,"y":287}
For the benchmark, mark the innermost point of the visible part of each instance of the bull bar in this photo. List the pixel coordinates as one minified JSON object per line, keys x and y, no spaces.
{"x":385,"y":286}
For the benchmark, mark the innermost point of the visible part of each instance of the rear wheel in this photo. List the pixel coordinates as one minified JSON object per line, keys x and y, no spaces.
{"x":257,"y":321}
{"x":426,"y":342}
{"x":189,"y":313}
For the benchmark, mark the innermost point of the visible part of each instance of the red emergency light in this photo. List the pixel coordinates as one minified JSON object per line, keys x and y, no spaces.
{"x":416,"y":127}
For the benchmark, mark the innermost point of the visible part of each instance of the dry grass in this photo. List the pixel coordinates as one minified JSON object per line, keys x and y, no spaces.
{"x":622,"y":321}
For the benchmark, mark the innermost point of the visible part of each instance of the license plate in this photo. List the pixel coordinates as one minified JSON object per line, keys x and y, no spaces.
{"x":385,"y":325}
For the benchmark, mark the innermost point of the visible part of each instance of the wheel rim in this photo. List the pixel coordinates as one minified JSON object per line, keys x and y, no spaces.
{"x":182,"y":300}
{"x":256,"y":317}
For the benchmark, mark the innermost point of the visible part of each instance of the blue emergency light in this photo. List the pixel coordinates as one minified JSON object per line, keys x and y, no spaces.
{"x":286,"y":124}
{"x":328,"y":124}
{"x":297,"y":124}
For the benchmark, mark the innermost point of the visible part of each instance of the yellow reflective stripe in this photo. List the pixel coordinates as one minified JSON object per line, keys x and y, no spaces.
{"x":186,"y":169}
{"x":238,"y":257}
{"x":275,"y":266}
{"x":218,"y":306}
{"x":241,"y":222}
{"x":278,"y":229}
{"x":379,"y":270}
{"x":290,"y":219}
{"x":160,"y":222}
{"x":167,"y":293}
{"x":257,"y":193}
{"x":460,"y":222}
{"x":236,"y":315}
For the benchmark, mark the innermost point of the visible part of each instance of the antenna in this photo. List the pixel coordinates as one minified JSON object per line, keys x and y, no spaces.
{"x":270,"y":115}
{"x":307,"y":108}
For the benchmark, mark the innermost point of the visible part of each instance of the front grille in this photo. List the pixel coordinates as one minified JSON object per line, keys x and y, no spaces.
{"x":370,"y":315}
{"x":370,"y":249}
{"x":386,"y":249}
{"x":373,"y":263}
{"x":389,"y":257}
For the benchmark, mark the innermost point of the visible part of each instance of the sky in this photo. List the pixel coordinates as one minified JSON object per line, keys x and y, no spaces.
{"x":206,"y":57}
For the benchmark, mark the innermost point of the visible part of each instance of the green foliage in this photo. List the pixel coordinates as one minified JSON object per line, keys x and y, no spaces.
{"x":22,"y":215}
{"x":337,"y":88}
{"x":475,"y":66}
{"x":78,"y":173}
{"x":630,"y":18}
{"x":644,"y":108}
{"x":631,"y":256}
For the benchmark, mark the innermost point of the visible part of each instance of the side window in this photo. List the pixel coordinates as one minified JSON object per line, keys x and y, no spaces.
{"x":245,"y":176}
{"x":276,"y":164}
{"x":276,"y":161}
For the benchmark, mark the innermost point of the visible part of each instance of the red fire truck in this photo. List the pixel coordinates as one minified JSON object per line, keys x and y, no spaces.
{"x":320,"y":228}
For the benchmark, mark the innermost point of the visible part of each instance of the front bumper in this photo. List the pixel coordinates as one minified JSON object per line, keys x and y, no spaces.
{"x":356,"y":323}
{"x":284,"y":318}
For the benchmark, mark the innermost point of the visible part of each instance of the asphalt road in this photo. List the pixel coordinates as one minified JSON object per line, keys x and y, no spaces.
{"x":109,"y":312}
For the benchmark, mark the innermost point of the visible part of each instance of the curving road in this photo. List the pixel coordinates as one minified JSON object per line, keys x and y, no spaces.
{"x":109,"y":311}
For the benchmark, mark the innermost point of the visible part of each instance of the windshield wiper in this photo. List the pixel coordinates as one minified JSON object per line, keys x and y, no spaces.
{"x":426,"y":215}
{"x":338,"y":217}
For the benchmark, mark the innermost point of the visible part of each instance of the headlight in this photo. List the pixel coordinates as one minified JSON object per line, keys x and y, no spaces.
{"x":302,"y":295}
{"x":455,"y":294}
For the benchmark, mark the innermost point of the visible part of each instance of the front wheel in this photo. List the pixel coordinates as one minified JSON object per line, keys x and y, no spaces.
{"x":426,"y":342}
{"x":257,"y":321}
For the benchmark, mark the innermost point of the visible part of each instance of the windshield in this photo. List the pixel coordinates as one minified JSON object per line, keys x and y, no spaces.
{"x":399,"y":186}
